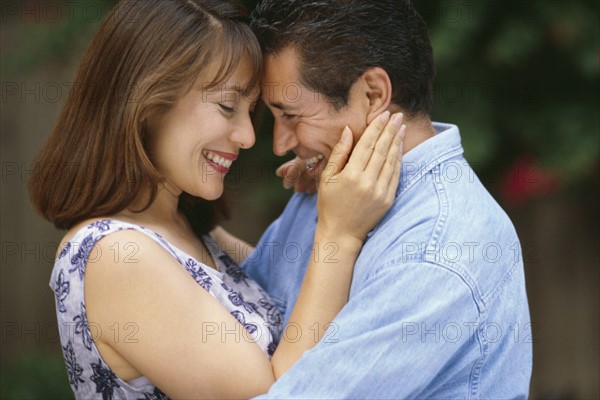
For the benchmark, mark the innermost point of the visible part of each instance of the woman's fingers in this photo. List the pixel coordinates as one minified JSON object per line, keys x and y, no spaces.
{"x":388,"y":179}
{"x":384,"y":148}
{"x":339,"y":157}
{"x":291,"y":172}
{"x":395,"y":180}
{"x":366,"y":144}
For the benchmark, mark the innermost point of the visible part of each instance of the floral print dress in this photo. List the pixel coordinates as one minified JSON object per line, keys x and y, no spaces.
{"x":89,"y":376}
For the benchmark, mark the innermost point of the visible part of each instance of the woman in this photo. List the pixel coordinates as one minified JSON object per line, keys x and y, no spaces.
{"x":145,"y":299}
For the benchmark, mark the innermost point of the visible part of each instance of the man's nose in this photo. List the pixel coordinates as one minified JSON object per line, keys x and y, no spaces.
{"x":284,"y":139}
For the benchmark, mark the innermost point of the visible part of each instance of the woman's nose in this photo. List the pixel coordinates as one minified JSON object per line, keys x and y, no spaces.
{"x":244,"y":134}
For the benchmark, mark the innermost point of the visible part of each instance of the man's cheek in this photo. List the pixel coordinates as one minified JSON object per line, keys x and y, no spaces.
{"x":357,"y":131}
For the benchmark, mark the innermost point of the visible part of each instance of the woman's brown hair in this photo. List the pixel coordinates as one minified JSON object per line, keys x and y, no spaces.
{"x":144,"y":57}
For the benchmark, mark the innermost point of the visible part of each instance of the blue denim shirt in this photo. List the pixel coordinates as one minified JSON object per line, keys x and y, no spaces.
{"x":437,"y":308}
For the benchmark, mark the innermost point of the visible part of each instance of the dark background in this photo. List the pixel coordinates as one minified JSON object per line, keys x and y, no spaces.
{"x":520,"y":79}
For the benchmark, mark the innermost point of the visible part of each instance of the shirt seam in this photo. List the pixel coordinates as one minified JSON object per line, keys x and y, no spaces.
{"x":475,"y":376}
{"x":431,"y":253}
{"x":506,"y":279}
{"x":450,"y":154}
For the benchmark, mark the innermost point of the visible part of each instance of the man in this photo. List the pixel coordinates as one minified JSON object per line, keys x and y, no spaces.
{"x":437,"y":307}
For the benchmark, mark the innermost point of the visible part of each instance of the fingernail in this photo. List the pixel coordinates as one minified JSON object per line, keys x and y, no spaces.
{"x":397,"y":118}
{"x":345,"y":134}
{"x":402,"y":131}
{"x":385,"y":117}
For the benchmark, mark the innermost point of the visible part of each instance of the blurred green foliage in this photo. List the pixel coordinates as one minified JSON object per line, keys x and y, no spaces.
{"x":42,"y":37}
{"x":36,"y":376}
{"x":520,"y":77}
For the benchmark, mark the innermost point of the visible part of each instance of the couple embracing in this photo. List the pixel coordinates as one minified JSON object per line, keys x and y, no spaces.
{"x":411,"y":305}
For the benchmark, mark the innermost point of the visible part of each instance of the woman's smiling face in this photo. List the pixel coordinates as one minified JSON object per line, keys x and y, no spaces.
{"x":195,"y":142}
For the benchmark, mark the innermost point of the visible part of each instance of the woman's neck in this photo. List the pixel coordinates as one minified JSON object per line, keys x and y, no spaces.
{"x":163,"y":210}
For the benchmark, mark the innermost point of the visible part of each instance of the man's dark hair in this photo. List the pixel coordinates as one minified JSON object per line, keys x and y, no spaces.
{"x":338,"y":40}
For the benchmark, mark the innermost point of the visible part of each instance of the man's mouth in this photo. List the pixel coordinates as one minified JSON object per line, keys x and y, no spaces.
{"x":312,"y":162}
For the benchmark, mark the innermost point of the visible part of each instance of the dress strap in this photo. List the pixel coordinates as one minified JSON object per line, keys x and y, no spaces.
{"x":81,"y":244}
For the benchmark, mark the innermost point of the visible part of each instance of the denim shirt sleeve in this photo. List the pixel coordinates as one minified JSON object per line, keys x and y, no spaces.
{"x":394,"y":346}
{"x":258,"y":263}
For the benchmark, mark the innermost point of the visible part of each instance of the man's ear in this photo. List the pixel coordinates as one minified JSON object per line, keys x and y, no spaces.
{"x":379,"y":91}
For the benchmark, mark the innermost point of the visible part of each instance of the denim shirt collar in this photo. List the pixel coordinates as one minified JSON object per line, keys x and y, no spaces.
{"x":423,"y":158}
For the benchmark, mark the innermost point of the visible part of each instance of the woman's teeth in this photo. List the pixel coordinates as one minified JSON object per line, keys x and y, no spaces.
{"x":217,"y":159}
{"x":311,"y":162}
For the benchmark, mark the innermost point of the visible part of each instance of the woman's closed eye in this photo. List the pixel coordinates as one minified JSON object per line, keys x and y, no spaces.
{"x":227,"y":109}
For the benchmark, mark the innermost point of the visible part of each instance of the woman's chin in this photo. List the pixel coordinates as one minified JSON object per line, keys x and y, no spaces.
{"x":208,"y":194}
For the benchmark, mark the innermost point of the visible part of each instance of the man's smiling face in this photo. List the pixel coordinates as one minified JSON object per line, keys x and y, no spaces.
{"x":305,"y":122}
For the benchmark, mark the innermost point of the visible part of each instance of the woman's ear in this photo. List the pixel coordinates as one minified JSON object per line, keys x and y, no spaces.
{"x":379,"y":91}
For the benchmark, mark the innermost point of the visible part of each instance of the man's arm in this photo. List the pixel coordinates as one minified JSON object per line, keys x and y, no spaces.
{"x":235,"y":247}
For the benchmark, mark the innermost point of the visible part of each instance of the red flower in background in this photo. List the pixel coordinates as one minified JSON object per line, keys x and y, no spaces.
{"x":526,"y":179}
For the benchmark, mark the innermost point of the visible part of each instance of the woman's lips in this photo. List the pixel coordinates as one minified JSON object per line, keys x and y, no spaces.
{"x":218,"y":160}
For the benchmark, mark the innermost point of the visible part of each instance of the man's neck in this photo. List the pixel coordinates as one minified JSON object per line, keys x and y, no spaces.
{"x":418,"y":129}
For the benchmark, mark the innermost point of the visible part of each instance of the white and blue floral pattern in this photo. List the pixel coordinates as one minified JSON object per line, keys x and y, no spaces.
{"x":74,"y":370}
{"x":61,"y":291}
{"x":89,"y":376}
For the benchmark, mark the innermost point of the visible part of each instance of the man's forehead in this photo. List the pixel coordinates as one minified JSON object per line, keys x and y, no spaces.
{"x":280,"y":73}
{"x":284,"y":96}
